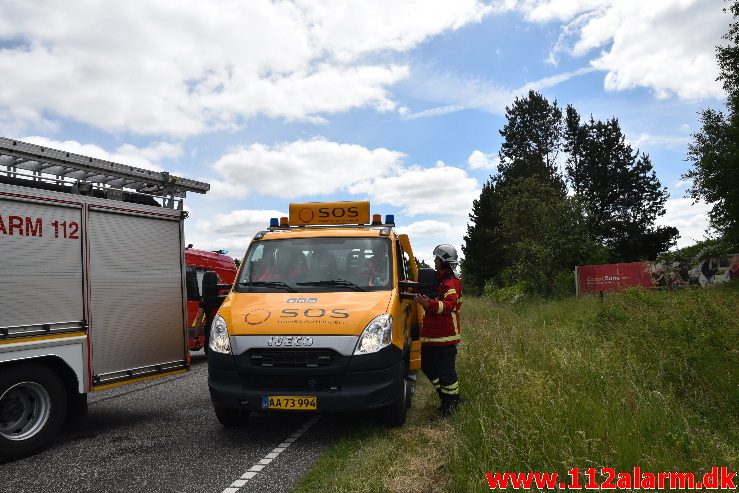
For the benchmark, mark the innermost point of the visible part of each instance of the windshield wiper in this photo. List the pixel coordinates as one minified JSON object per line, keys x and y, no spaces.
{"x":268,"y":284}
{"x":333,"y":282}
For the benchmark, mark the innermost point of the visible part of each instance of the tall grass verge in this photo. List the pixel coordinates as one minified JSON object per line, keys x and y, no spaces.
{"x":641,"y":379}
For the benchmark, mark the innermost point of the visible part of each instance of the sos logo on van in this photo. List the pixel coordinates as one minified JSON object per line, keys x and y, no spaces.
{"x":329,"y":213}
{"x":260,"y":315}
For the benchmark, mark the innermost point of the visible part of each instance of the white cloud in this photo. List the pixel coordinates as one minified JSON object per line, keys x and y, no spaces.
{"x":480,"y":160}
{"x":306,"y":168}
{"x":440,"y":190}
{"x":15,"y":120}
{"x":437,"y":111}
{"x":128,"y":154}
{"x":428,"y":227}
{"x":320,"y":167}
{"x":667,"y":46}
{"x":457,"y":92}
{"x":651,"y":141}
{"x":231,"y":231}
{"x":153,"y":152}
{"x":690,"y":219}
{"x":425,"y":235}
{"x":185,"y":67}
{"x":351,"y":29}
{"x":300,"y":168}
{"x":460,"y":92}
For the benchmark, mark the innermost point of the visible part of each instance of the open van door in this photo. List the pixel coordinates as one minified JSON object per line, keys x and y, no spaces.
{"x":414,"y":313}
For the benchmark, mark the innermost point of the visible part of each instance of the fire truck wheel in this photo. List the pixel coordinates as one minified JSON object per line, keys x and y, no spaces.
{"x":33,"y":405}
{"x":231,"y":417}
{"x":394,"y":415}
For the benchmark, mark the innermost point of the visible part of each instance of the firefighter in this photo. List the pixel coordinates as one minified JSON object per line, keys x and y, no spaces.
{"x":441,"y":330}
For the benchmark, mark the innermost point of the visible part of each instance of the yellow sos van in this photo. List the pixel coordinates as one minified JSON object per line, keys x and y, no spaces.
{"x":320,"y":318}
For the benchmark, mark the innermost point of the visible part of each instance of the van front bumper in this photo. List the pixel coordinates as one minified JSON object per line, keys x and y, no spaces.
{"x":358,"y":383}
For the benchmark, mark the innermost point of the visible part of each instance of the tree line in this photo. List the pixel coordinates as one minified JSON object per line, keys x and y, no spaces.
{"x":715,"y":148}
{"x":571,"y":191}
{"x":533,"y":223}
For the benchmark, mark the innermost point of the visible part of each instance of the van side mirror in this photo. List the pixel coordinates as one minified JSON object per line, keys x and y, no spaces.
{"x":427,"y":283}
{"x":408,"y":285}
{"x":408,"y":289}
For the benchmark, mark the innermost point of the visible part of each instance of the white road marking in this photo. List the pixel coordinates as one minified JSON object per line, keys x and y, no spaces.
{"x":257,"y":468}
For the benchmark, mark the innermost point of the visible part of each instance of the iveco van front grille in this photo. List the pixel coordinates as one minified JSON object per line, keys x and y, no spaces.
{"x":291,"y":358}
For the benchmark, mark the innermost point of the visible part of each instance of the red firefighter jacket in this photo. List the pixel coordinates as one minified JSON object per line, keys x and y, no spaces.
{"x":441,"y":324}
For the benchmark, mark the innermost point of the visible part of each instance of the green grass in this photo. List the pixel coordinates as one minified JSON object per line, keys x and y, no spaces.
{"x":642,"y":379}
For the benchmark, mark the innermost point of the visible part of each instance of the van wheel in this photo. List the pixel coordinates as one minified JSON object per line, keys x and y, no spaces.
{"x":33,"y":405}
{"x":231,"y":417}
{"x":395,"y":414}
{"x":409,"y":393}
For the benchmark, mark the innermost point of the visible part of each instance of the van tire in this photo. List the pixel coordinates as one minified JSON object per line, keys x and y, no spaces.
{"x":395,"y":414}
{"x":229,"y":417}
{"x":33,"y":406}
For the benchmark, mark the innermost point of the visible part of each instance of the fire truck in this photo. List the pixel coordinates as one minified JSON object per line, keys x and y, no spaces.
{"x":320,"y":318}
{"x":209,"y":275}
{"x":92,"y":284}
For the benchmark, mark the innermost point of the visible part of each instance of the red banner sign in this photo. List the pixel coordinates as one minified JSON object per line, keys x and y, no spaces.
{"x":613,"y":277}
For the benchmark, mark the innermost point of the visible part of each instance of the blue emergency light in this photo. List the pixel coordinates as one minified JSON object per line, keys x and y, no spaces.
{"x":390,"y":219}
{"x":274,"y":222}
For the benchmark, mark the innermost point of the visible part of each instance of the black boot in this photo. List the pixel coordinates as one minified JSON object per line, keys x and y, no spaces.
{"x":449,"y":404}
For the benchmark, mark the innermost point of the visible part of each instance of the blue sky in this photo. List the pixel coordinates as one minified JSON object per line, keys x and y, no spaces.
{"x":396,"y":102}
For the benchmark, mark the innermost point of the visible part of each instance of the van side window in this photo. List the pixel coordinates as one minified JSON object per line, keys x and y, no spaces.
{"x":404,"y":265}
{"x":407,"y":267}
{"x":402,"y":270}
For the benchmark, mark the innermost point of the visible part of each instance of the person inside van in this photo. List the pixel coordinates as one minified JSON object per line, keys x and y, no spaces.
{"x":374,"y":270}
{"x":323,"y":265}
{"x":288,"y":265}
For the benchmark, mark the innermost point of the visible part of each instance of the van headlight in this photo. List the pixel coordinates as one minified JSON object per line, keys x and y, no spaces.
{"x":376,"y":335}
{"x":219,"y":340}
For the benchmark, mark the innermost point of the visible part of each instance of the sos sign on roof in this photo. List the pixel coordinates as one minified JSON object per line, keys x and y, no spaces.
{"x":313,"y":213}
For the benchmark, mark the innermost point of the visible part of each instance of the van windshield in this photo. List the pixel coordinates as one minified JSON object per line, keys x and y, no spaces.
{"x":316,"y":265}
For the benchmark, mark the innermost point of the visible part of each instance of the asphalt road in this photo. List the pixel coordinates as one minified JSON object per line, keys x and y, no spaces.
{"x":162,"y":435}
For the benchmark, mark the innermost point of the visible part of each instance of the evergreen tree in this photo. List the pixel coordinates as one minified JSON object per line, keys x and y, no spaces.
{"x":532,"y":139}
{"x":715,"y":148}
{"x":544,"y":231}
{"x":484,"y":249}
{"x":575,"y":137}
{"x":421,"y":264}
{"x":618,"y":189}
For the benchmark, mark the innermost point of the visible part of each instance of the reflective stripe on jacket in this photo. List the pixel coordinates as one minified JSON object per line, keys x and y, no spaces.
{"x":441,"y":323}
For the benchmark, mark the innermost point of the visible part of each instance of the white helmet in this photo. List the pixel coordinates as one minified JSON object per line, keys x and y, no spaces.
{"x":446,"y":253}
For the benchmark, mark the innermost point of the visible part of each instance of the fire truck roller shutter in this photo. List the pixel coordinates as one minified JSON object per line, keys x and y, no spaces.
{"x":136,"y":286}
{"x":41,"y":280}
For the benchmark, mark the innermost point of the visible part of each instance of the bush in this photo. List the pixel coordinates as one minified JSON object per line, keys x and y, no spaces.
{"x":512,"y":291}
{"x":516,"y":293}
{"x":564,"y":284}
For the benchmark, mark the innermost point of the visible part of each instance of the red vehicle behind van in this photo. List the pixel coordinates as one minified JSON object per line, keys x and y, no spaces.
{"x":208,"y":275}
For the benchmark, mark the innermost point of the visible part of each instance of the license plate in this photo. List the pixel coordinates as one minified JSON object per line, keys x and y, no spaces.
{"x":290,"y":402}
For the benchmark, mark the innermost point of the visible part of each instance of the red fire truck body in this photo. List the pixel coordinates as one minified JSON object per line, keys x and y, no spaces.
{"x":198,"y":262}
